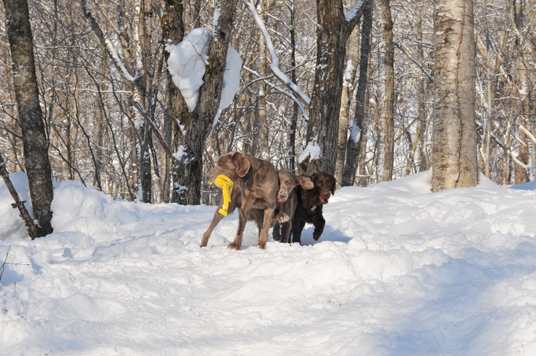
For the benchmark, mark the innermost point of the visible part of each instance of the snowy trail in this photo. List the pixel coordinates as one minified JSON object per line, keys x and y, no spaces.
{"x":398,"y":271}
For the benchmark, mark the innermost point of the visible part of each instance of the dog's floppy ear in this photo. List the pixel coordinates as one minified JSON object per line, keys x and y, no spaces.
{"x":242,"y":164}
{"x":305,"y":182}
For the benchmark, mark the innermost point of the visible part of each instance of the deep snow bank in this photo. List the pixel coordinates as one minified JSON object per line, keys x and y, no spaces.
{"x":398,"y":271}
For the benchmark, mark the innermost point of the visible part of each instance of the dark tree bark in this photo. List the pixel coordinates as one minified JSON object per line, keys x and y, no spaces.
{"x":30,"y":114}
{"x":172,"y":33}
{"x":294,"y":120}
{"x":198,"y":123}
{"x":332,"y":35}
{"x":352,"y":149}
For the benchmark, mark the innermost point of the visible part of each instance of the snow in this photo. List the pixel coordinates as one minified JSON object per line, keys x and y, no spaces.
{"x":274,"y":65}
{"x":398,"y":271}
{"x":352,"y":13}
{"x":312,"y":150}
{"x":187,"y":64}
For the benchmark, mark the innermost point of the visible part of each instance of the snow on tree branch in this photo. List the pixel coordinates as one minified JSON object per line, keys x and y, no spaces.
{"x":187,"y":65}
{"x":354,"y":11}
{"x":274,"y":66}
{"x":103,"y":38}
{"x":260,"y":77}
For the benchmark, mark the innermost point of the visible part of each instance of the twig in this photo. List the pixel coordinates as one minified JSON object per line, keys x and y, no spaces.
{"x":3,"y":264}
{"x":24,"y":214}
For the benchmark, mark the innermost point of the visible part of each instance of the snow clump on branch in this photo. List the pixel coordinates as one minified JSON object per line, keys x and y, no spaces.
{"x":187,"y":64}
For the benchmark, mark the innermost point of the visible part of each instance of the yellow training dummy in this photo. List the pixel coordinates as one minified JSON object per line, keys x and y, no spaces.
{"x":226,"y":186}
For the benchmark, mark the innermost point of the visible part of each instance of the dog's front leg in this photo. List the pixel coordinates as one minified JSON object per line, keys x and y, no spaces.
{"x":297,"y":227}
{"x":319,"y":223}
{"x":285,"y":232}
{"x":263,"y":237}
{"x":242,"y":220}
{"x":215,"y":221}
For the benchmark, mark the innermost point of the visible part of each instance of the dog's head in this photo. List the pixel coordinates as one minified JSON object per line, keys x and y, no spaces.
{"x":288,"y":181}
{"x":324,"y":185}
{"x":234,"y":165}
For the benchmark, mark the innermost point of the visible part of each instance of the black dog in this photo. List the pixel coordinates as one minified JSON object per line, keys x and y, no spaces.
{"x":309,"y":208}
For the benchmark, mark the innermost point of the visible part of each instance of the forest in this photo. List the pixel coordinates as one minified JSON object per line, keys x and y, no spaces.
{"x":369,"y":91}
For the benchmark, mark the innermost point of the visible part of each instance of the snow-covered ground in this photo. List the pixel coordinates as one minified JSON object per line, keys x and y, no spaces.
{"x":398,"y":271}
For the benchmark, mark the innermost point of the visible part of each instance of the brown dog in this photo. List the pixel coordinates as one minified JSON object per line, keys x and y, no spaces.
{"x":284,"y":209}
{"x":310,"y":202}
{"x":287,"y":201}
{"x":255,"y":188}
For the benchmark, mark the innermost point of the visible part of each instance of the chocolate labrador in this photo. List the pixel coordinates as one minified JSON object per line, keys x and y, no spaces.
{"x":255,"y":188}
{"x":309,"y":207}
{"x":288,"y":201}
{"x":284,"y":209}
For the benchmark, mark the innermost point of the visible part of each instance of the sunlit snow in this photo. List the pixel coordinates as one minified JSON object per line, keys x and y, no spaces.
{"x":398,"y":271}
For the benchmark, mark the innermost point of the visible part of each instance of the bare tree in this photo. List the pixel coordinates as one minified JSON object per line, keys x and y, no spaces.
{"x":31,"y":117}
{"x":335,"y":26}
{"x":358,"y":133}
{"x":385,"y":96}
{"x":454,"y":147}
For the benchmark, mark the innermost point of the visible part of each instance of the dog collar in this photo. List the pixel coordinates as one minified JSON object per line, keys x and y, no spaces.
{"x":253,"y":174}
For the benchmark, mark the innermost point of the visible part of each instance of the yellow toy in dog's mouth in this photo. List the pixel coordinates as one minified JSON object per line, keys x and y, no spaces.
{"x":226,"y":185}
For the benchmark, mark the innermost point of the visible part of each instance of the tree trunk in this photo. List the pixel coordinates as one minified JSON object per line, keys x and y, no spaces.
{"x":294,"y":120}
{"x":198,"y":123}
{"x":422,"y":161}
{"x":346,"y":99}
{"x":454,"y":137}
{"x":30,"y":115}
{"x":358,"y":131}
{"x":332,"y":35}
{"x":261,"y":145}
{"x":386,"y":127}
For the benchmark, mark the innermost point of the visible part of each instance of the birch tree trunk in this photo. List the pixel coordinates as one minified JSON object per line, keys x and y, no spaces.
{"x":31,"y":117}
{"x":526,"y":149}
{"x":386,"y":127}
{"x":454,"y":137}
{"x":261,"y":145}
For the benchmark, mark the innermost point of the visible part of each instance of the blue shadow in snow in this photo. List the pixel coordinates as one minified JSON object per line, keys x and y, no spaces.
{"x":329,"y":234}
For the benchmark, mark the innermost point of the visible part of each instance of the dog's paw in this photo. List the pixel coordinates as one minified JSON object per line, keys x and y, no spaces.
{"x":262,"y":245}
{"x":233,"y":246}
{"x":316,"y":237}
{"x":282,"y":217}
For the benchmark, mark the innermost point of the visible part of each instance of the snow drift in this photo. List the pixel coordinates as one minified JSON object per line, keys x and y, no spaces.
{"x":398,"y":271}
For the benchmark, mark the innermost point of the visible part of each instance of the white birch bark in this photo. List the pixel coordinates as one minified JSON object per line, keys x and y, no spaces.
{"x":454,"y":136}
